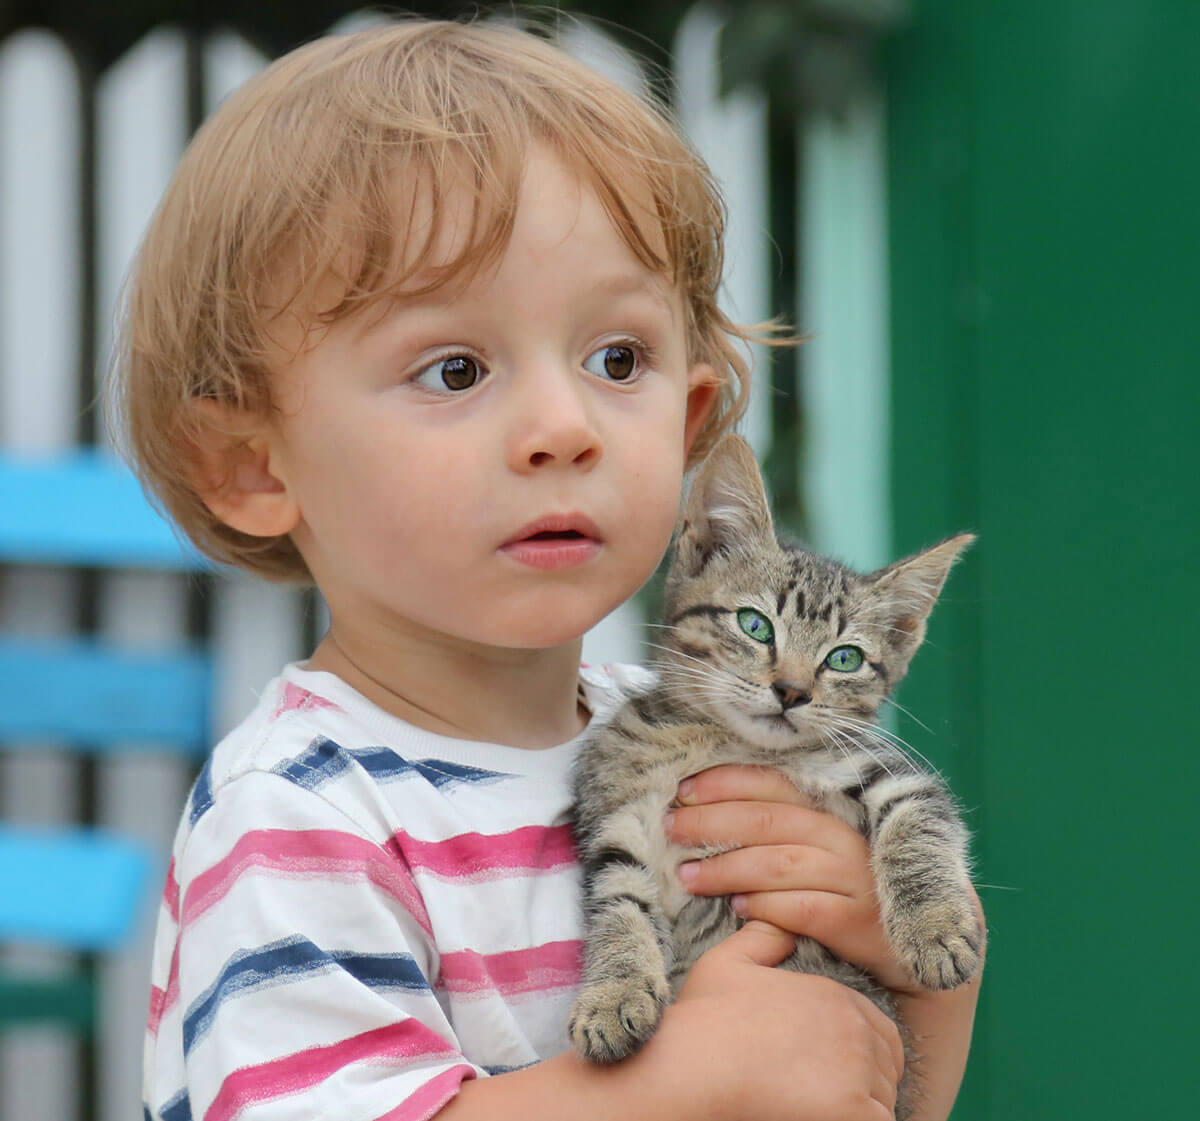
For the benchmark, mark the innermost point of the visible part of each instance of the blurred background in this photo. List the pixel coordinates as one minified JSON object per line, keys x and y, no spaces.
{"x":986,"y":218}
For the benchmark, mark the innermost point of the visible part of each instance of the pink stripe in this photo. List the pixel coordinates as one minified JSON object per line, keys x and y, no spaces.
{"x":303,"y":854}
{"x":171,"y":892}
{"x":556,"y":965}
{"x":162,"y":1002}
{"x":158,"y":1005}
{"x":480,"y":856}
{"x":426,"y":1101}
{"x":294,"y":697}
{"x":394,"y":1045}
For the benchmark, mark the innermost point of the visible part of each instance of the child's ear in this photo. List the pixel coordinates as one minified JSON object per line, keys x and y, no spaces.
{"x":236,"y":474}
{"x":702,"y":396}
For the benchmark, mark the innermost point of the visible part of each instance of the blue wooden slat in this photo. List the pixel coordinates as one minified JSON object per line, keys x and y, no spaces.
{"x":75,"y":888}
{"x":88,"y":694}
{"x":83,"y":508}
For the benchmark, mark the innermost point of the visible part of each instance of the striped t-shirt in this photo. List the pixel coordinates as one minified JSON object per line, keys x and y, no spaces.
{"x":360,"y":914}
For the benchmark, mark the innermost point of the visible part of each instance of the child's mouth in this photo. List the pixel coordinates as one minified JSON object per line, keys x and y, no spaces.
{"x":560,"y":541}
{"x":551,"y":535}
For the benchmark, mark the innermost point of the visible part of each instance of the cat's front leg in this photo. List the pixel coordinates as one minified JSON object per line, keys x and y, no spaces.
{"x":626,"y":956}
{"x":919,"y":856}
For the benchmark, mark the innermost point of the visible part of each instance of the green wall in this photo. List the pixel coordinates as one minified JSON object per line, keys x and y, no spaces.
{"x":1044,"y":224}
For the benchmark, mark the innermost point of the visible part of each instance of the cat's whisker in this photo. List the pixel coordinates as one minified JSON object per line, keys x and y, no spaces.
{"x":702,"y":678}
{"x":909,"y":713}
{"x":845,"y":726}
{"x":680,"y":654}
{"x":832,"y":736}
{"x":881,"y":627}
{"x":898,"y":743}
{"x":696,"y":667}
{"x":701,"y":671}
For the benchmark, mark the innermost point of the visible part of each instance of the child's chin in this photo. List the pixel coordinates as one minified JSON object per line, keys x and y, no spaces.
{"x":544,"y":633}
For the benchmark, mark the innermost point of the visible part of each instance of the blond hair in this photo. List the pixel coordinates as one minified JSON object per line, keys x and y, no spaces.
{"x":294,"y":176}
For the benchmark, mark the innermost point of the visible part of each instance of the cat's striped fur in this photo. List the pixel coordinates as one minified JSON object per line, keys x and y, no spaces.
{"x":723,"y":694}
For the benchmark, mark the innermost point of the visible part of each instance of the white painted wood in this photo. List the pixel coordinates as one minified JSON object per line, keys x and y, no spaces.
{"x":730,"y":134}
{"x":142,"y":128}
{"x":39,"y":308}
{"x":228,"y":62}
{"x":589,"y":43}
{"x":39,"y":243}
{"x":257,"y":628}
{"x":845,"y":306}
{"x":617,"y":637}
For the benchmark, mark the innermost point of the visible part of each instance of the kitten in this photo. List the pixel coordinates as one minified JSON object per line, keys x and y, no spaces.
{"x":772,"y":656}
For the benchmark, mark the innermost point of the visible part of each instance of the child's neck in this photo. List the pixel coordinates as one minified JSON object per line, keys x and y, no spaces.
{"x":524,"y":698}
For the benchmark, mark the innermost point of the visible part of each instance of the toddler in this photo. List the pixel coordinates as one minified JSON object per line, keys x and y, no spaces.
{"x":428,"y":317}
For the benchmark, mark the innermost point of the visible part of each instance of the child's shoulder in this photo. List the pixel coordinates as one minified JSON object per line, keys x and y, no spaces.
{"x":309,"y":755}
{"x":296,"y":711}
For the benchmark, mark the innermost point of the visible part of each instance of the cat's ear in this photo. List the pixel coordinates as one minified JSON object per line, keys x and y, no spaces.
{"x":903,"y":594}
{"x":726,"y":509}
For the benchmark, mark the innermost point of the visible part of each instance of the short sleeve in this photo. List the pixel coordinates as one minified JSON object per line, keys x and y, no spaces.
{"x":302,"y":969}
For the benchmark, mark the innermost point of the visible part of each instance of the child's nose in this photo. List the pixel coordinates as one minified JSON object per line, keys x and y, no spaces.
{"x":553,"y":426}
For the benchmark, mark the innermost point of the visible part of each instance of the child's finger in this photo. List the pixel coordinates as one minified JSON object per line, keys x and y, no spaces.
{"x":735,"y":782}
{"x":757,"y":942}
{"x":849,"y":926}
{"x":737,"y":824}
{"x":886,"y":1079}
{"x":774,"y":868}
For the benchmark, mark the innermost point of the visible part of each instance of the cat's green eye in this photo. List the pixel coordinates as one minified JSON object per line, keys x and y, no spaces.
{"x":755,"y":624}
{"x":845,"y":659}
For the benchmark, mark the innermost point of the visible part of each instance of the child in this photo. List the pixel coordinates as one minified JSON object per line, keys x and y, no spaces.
{"x":428,"y":316}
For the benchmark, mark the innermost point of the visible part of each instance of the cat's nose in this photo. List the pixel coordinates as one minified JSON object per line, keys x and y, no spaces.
{"x":791,"y":695}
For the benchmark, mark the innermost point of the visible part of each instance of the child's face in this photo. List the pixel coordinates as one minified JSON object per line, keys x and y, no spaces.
{"x":498,"y":463}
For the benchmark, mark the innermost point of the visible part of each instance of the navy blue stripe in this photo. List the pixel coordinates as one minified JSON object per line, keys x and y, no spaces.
{"x":201,"y":798}
{"x":320,"y":762}
{"x":179,"y":1108}
{"x":442,"y":773}
{"x":323,"y":760}
{"x":287,"y":960}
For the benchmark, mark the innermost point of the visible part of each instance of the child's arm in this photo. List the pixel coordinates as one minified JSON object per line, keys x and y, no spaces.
{"x":809,"y":873}
{"x":742,"y":1041}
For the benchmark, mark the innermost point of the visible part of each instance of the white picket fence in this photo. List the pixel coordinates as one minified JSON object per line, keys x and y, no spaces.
{"x":141,"y":130}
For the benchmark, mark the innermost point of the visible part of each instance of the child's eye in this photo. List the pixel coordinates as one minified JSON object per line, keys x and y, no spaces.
{"x":617,"y":361}
{"x":454,"y":373}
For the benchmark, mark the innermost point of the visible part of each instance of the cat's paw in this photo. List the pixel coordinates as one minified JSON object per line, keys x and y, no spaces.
{"x":941,"y":944}
{"x":612,"y":1019}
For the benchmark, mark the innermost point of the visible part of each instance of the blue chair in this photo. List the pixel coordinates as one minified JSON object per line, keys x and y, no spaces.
{"x":82,"y":889}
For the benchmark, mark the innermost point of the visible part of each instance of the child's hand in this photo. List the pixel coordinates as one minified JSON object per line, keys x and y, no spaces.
{"x":810,"y":873}
{"x":773,"y":1045}
{"x":805,"y":871}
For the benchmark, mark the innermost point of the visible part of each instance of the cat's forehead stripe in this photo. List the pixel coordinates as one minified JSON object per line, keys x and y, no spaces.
{"x":710,"y":610}
{"x":783,"y":597}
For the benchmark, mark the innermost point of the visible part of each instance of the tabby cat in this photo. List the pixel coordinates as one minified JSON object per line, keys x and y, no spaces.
{"x":777,"y":657}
